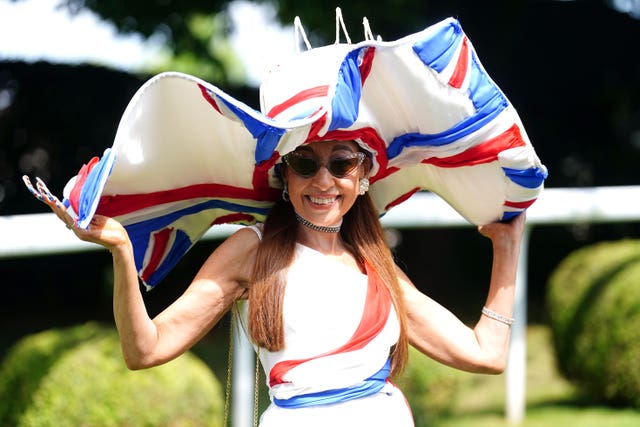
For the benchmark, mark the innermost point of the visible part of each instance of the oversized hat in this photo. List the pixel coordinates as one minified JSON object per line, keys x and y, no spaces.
{"x":188,"y":156}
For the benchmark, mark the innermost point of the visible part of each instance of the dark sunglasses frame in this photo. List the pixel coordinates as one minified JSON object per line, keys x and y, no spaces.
{"x":330,"y":165}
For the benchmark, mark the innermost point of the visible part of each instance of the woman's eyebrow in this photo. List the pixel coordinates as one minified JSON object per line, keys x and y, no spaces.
{"x":342,"y":147}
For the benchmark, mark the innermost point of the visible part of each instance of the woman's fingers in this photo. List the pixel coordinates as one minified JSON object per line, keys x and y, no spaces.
{"x":512,"y":229}
{"x":31,"y":188}
{"x":102,"y":230}
{"x":41,"y":192}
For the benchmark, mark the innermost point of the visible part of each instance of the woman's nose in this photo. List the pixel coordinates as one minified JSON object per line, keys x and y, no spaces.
{"x":323,"y":178}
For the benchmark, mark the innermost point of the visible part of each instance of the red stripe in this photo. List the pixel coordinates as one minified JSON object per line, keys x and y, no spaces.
{"x":486,"y":152}
{"x":367,"y":63}
{"x":316,"y":126}
{"x":401,"y":199}
{"x":519,"y":205}
{"x":160,"y":242}
{"x":81,"y":177}
{"x":260,"y":180}
{"x":374,"y":317}
{"x":314,"y":92}
{"x":461,"y":67}
{"x":207,"y":96}
{"x":125,"y":203}
{"x":234,"y":218}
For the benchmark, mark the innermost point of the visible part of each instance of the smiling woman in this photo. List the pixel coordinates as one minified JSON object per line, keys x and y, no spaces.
{"x":349,"y":131}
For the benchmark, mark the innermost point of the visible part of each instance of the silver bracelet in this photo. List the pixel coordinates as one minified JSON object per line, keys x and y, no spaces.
{"x":496,"y":316}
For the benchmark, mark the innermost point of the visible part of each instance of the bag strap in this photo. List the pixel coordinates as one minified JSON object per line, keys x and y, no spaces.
{"x":256,"y":389}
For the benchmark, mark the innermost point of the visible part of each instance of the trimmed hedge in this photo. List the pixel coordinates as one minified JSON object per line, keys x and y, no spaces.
{"x":593,"y":302}
{"x":76,"y":376}
{"x":429,"y":386}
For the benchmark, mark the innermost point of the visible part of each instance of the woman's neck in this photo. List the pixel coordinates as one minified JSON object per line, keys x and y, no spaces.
{"x":327,"y":243}
{"x":330,"y":245}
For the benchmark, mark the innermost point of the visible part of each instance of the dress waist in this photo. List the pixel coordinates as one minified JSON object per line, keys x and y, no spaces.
{"x":369,"y":386}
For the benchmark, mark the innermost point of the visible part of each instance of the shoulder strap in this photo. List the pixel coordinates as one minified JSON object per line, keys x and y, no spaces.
{"x":258,"y":229}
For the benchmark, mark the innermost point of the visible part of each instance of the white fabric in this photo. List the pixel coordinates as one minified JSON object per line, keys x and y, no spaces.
{"x":323,"y":305}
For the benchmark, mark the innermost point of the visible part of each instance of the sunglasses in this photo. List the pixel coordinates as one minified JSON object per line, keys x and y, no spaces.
{"x":307,"y":165}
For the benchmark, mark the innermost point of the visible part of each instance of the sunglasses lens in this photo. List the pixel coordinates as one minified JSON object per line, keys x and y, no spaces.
{"x":307,"y":166}
{"x":304,"y":166}
{"x":343,"y":166}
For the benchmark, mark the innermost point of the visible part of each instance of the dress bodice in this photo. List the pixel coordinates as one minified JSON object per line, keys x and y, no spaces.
{"x":324,"y":306}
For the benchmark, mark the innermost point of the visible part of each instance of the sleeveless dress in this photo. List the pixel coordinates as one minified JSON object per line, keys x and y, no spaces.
{"x":339,"y":327}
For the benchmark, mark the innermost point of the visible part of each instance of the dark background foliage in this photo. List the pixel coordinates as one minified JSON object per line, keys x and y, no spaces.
{"x":570,"y":68}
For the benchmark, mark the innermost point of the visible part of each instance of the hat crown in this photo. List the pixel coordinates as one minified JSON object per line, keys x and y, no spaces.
{"x":302,"y":86}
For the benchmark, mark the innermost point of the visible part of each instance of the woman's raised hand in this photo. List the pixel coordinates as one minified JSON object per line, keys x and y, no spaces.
{"x":102,"y":230}
{"x":508,"y":233}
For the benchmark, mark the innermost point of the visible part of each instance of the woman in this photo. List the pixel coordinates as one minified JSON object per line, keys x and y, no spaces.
{"x":329,"y":311}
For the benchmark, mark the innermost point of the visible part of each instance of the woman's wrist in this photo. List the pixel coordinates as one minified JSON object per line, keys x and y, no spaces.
{"x":122,"y":249}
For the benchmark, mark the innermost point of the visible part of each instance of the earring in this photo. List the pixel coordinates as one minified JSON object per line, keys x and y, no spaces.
{"x":285,"y":193}
{"x":364,"y":186}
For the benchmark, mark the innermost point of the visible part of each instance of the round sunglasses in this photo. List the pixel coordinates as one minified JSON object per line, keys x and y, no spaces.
{"x":307,"y":165}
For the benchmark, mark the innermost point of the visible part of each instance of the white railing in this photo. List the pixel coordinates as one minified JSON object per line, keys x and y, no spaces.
{"x":42,"y":234}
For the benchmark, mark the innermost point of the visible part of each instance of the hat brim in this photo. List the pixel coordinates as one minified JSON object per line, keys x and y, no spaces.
{"x":187,"y":156}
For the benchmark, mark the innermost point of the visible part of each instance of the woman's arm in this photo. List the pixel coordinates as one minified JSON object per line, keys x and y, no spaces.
{"x":436,"y":332}
{"x":148,"y":342}
{"x":220,"y":282}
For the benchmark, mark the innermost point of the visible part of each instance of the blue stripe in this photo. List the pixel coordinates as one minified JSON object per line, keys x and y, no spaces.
{"x":529,"y":178}
{"x":140,"y":232}
{"x":267,"y":136}
{"x":508,"y":216}
{"x":346,"y":101}
{"x":482,"y":91}
{"x":438,"y":49}
{"x":180,"y":246}
{"x":368,"y":387}
{"x":465,"y":127}
{"x":93,"y":186}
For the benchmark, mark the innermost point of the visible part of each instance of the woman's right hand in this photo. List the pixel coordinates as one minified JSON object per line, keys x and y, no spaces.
{"x":102,"y":230}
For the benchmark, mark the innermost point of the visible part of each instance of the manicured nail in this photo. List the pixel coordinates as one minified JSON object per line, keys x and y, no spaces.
{"x":44,"y":190}
{"x":29,"y":185}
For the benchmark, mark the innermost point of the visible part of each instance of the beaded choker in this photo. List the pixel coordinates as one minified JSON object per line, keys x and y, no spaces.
{"x":317,"y":227}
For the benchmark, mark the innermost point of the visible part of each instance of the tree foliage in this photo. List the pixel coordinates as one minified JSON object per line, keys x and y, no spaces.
{"x":594,"y":310}
{"x":194,"y":33}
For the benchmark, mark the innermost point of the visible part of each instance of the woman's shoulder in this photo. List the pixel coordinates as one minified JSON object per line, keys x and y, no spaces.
{"x":236,"y":255}
{"x":245,"y":239}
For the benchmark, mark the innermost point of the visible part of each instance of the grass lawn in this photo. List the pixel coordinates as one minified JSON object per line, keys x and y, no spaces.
{"x":551,"y":401}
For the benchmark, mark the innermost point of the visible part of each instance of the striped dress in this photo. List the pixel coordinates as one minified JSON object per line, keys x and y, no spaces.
{"x":339,"y":327}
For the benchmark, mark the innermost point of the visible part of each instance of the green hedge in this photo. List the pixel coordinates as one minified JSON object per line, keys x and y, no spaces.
{"x":430,"y":388}
{"x":77,"y":377}
{"x":593,"y":302}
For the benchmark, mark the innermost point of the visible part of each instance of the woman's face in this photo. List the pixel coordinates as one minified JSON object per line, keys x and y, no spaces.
{"x":323,"y":198}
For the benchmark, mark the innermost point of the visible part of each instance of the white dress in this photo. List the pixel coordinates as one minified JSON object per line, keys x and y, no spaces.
{"x":336,"y":340}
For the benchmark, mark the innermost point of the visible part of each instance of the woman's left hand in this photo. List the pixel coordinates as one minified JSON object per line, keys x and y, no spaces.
{"x":505,"y":233}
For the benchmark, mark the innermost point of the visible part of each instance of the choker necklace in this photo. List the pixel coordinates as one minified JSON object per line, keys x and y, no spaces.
{"x":317,"y":227}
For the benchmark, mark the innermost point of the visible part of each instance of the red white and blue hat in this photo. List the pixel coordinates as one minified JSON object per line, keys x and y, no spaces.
{"x":188,"y":156}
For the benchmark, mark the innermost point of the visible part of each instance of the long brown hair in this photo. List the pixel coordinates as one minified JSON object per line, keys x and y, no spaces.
{"x":361,"y":231}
